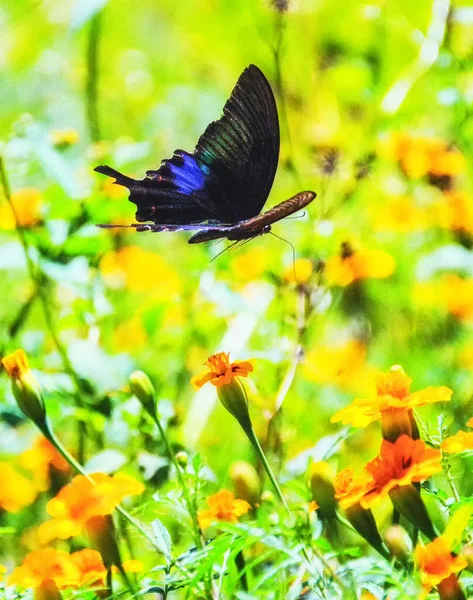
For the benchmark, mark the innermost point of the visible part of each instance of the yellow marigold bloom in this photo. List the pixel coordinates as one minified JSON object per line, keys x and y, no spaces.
{"x":251,"y":265}
{"x":220,"y":371}
{"x":350,"y":266}
{"x":401,"y":215}
{"x":300,"y":272}
{"x":27,"y":203}
{"x":16,"y":491}
{"x":82,"y":500}
{"x":138,"y":270}
{"x":436,"y":562}
{"x":400,"y":463}
{"x":222,"y":507}
{"x":459,"y":296}
{"x":91,"y":567}
{"x":64,"y":137}
{"x":459,"y":442}
{"x":419,"y":156}
{"x":349,"y":490}
{"x":343,"y":365}
{"x":46,"y":564}
{"x":39,"y":459}
{"x":455,"y":212}
{"x":392,"y":394}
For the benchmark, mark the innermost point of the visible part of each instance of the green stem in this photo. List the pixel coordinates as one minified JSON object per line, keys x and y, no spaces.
{"x":92,"y":88}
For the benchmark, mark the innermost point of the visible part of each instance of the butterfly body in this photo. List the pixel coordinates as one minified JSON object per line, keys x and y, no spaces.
{"x":219,"y":189}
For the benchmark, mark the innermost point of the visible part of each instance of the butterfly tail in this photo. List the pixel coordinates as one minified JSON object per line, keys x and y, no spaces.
{"x":119,"y":177}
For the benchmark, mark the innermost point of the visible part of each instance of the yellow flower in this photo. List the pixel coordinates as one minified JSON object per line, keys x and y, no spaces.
{"x":459,"y":442}
{"x":392,"y":395}
{"x":64,"y":137}
{"x":450,"y":293}
{"x":39,"y":459}
{"x":400,"y":463}
{"x":251,"y":265}
{"x":400,"y":214}
{"x":27,"y":203}
{"x":436,"y":562}
{"x":46,"y":564}
{"x":420,"y":156}
{"x":81,"y":500}
{"x":455,"y":212}
{"x":220,"y":371}
{"x":222,"y":507}
{"x":140,"y":271}
{"x":300,"y":272}
{"x":352,"y":265}
{"x":115,"y":192}
{"x":469,"y":423}
{"x":343,"y":365}
{"x":349,"y":490}
{"x":16,"y":491}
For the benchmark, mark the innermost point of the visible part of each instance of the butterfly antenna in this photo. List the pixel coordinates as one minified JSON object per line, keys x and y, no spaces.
{"x":224,"y":250}
{"x":302,"y":215}
{"x":293,"y":253}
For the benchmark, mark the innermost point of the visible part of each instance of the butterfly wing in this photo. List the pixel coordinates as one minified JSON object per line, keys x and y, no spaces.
{"x":239,"y":153}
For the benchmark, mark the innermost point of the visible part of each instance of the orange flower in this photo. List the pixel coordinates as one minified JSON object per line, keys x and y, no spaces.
{"x":46,"y":564}
{"x":436,"y":562}
{"x":91,"y":567}
{"x":82,"y":500}
{"x":351,"y":266}
{"x":349,"y":490}
{"x":451,"y":293}
{"x":16,"y":364}
{"x":16,"y":491}
{"x":400,"y":463}
{"x":222,"y":507}
{"x":392,"y":395}
{"x":220,"y":371}
{"x":459,"y":442}
{"x":27,"y":203}
{"x":469,"y":423}
{"x":39,"y":459}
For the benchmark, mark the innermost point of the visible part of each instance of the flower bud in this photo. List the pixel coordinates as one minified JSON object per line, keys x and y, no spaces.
{"x":25,"y":387}
{"x":245,"y":481}
{"x":143,"y":389}
{"x":407,"y":500}
{"x":398,"y":421}
{"x":399,"y":543}
{"x":362,"y":521}
{"x":182,"y":459}
{"x":323,"y":491}
{"x":233,"y":397}
{"x":467,"y":554}
{"x":48,"y":590}
{"x":101,"y":532}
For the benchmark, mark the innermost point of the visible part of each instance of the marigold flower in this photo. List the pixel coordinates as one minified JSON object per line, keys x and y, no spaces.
{"x":300,"y":272}
{"x":25,"y":387}
{"x":222,"y":507}
{"x":138,"y":270}
{"x":27,"y":203}
{"x":455,"y":211}
{"x":221,"y":371}
{"x":16,"y":491}
{"x":469,"y":423}
{"x":81,"y":500}
{"x":251,"y":265}
{"x":64,"y":137}
{"x":392,"y":403}
{"x":400,"y":463}
{"x":39,"y":459}
{"x":46,"y":564}
{"x":436,"y":562}
{"x":451,"y":293}
{"x":352,"y":265}
{"x":402,"y":215}
{"x":461,"y":441}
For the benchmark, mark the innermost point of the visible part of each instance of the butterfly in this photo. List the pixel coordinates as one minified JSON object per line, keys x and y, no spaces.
{"x":219,"y":190}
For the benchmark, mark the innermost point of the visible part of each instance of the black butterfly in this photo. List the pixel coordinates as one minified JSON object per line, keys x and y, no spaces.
{"x":222,"y":186}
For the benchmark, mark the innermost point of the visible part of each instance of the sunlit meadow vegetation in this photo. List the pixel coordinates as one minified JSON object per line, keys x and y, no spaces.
{"x":324,"y":449}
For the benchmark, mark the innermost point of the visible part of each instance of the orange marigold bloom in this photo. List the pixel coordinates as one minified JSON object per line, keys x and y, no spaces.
{"x":221,"y":371}
{"x":459,"y":442}
{"x":222,"y":507}
{"x":16,"y":491}
{"x":392,"y":394}
{"x":349,"y":490}
{"x":91,"y":567}
{"x":16,"y":364}
{"x":46,"y":564}
{"x":81,"y":500}
{"x":436,"y":562}
{"x":39,"y":459}
{"x":27,"y":203}
{"x":400,"y":463}
{"x":455,"y":212}
{"x":352,"y":265}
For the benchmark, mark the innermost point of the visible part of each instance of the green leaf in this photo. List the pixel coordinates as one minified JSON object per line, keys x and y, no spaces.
{"x":162,"y":538}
